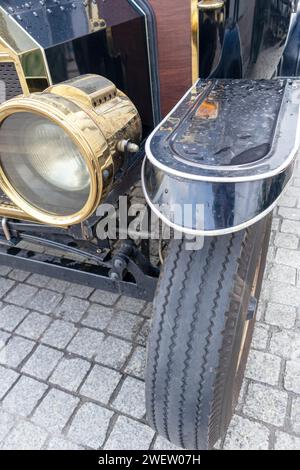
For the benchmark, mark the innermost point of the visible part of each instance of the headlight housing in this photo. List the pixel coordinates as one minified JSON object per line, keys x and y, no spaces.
{"x":59,"y":148}
{"x":44,"y":164}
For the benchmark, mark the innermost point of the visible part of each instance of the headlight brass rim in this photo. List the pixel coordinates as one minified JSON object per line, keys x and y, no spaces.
{"x":43,"y":108}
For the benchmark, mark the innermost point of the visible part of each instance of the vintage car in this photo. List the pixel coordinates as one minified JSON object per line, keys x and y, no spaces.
{"x":190,"y":102}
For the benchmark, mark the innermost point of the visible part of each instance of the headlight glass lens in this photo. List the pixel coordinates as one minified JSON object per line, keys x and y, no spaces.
{"x":43,"y":164}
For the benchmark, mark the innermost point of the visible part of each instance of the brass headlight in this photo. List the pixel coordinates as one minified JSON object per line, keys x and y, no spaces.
{"x":59,"y":148}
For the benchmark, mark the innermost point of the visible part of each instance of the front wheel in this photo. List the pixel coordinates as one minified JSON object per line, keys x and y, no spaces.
{"x":204,"y":314}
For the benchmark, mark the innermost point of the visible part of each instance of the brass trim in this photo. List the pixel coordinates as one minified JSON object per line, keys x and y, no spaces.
{"x":95,"y":120}
{"x":38,"y":106}
{"x":13,"y":212}
{"x":17,"y":46}
{"x":195,"y":39}
{"x":205,"y":5}
{"x":8,"y":56}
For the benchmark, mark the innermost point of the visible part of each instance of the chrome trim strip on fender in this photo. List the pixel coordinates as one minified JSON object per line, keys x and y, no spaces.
{"x":204,"y":233}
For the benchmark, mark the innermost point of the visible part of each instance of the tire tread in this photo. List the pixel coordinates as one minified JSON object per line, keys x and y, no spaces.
{"x":201,"y":300}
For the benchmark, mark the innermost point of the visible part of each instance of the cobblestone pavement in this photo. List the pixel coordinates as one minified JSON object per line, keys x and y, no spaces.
{"x":72,"y":359}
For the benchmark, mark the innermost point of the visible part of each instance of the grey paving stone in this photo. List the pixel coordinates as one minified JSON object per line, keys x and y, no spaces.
{"x":287,"y":257}
{"x":290,"y":226}
{"x":286,"y":343}
{"x":78,"y":290}
{"x":288,"y":201}
{"x":284,"y":274}
{"x":4,"y":270}
{"x":271,"y":254}
{"x":55,"y":410}
{"x":266,"y":404}
{"x":129,"y":435}
{"x":58,"y":285}
{"x":18,"y":275}
{"x":42,"y":362}
{"x":284,"y":441}
{"x":137,"y":363}
{"x":100,"y":384}
{"x":241,"y":399}
{"x":144,"y":333}
{"x":3,"y":338}
{"x":5,"y":285}
{"x":59,"y":334}
{"x":6,"y":423}
{"x":70,"y":372}
{"x":292,"y":376}
{"x":98,"y":316}
{"x":298,"y":278}
{"x":286,"y":240}
{"x":263,"y":367}
{"x":57,"y":443}
{"x":20,"y":294}
{"x":104,"y":297}
{"x":163,"y":444}
{"x":124,"y":324}
{"x":276,"y":224}
{"x":244,"y":434}
{"x":293,"y":191}
{"x":33,"y":326}
{"x":131,"y":398}
{"x":24,"y":396}
{"x":131,"y":305}
{"x":39,"y":280}
{"x":260,"y":310}
{"x":113,"y":352}
{"x":86,"y":343}
{"x":72,"y":308}
{"x":289,"y":213}
{"x":295,"y":415}
{"x":45,"y":301}
{"x":265,"y":291}
{"x":25,"y":436}
{"x":90,"y":425}
{"x":11,"y":316}
{"x":218,"y":445}
{"x":148,"y":310}
{"x":280,"y":315}
{"x":260,"y":336}
{"x":15,"y":351}
{"x":296,"y":170}
{"x":7,"y":378}
{"x":284,"y":294}
{"x":296,"y":182}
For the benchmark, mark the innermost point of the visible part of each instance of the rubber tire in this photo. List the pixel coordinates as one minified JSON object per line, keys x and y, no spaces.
{"x":200,"y":310}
